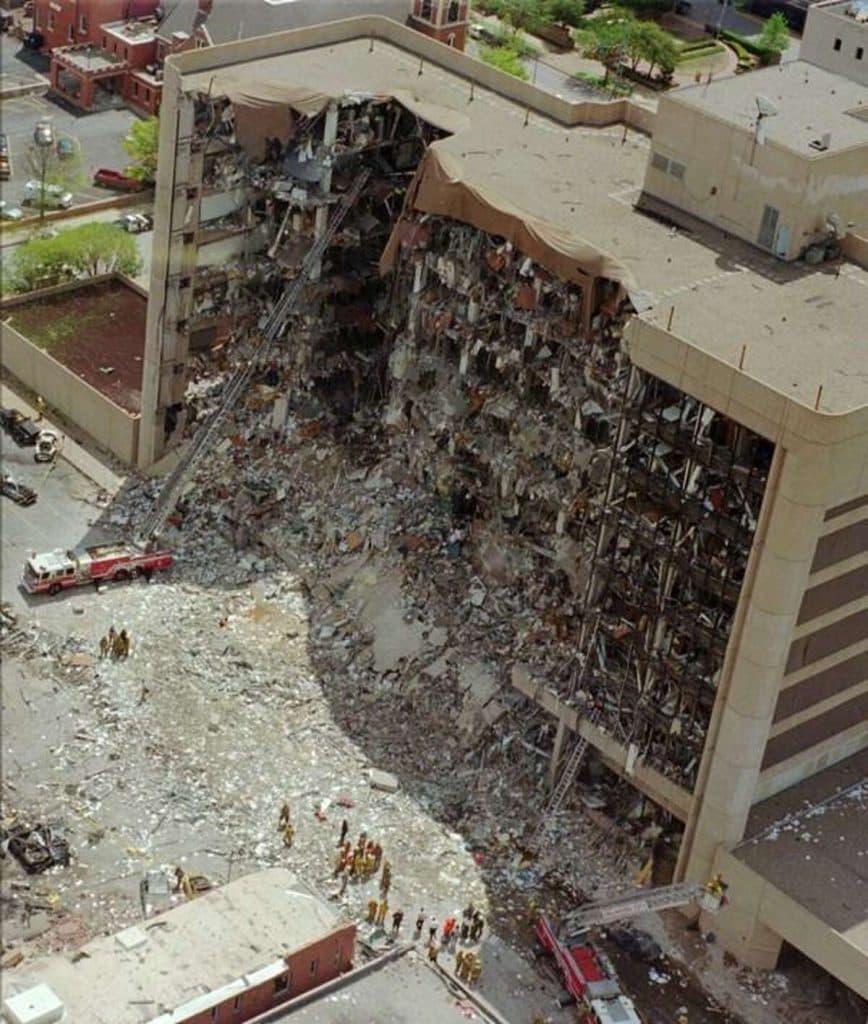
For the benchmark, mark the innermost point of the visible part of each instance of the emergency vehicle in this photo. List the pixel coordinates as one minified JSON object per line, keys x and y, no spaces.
{"x":59,"y":570}
{"x":589,"y":977}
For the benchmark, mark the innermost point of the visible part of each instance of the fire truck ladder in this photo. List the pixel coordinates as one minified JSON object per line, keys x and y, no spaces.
{"x":631,"y":905}
{"x":272,"y":331}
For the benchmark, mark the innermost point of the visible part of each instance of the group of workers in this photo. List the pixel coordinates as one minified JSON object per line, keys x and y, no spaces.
{"x":362,"y":861}
{"x":115,"y":644}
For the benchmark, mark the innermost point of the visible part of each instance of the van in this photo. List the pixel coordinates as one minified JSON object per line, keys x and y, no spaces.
{"x":55,"y":196}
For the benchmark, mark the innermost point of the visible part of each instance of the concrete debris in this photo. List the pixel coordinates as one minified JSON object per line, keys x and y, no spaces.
{"x":385,"y":781}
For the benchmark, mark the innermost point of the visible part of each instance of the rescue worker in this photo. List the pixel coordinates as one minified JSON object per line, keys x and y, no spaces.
{"x":284,"y":818}
{"x":478,"y":925}
{"x":288,"y":835}
{"x":432,"y":953}
{"x":448,"y":929}
{"x":110,"y":640}
{"x":466,"y":964}
{"x":344,"y":829}
{"x":124,"y":643}
{"x":382,"y":910}
{"x":397,"y":918}
{"x":432,"y":928}
{"x":183,"y":883}
{"x":118,"y":646}
{"x":459,"y":962}
{"x":40,"y":406}
{"x":386,"y":879}
{"x":378,"y":856}
{"x":475,"y":972}
{"x":339,"y":863}
{"x":420,"y":922}
{"x":372,"y":910}
{"x":465,"y":931}
{"x":344,"y":880}
{"x":103,"y":646}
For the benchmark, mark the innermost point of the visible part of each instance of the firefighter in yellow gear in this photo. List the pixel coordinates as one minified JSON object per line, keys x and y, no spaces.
{"x":382,"y":910}
{"x":288,"y":835}
{"x":475,"y":972}
{"x":432,"y":952}
{"x":372,"y":910}
{"x":40,"y":406}
{"x":103,"y":646}
{"x":459,"y":962}
{"x":284,"y":819}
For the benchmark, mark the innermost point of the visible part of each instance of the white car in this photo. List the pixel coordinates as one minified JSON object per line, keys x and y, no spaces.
{"x":55,"y":195}
{"x":10,"y":212}
{"x":135,"y":223}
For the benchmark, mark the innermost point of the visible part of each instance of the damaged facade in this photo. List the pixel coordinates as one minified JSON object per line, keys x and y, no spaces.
{"x":580,"y":408}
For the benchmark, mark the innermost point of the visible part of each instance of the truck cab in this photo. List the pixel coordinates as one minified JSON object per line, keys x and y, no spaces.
{"x":51,"y":571}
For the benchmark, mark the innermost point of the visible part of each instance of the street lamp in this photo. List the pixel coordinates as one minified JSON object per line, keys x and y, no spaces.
{"x":43,"y":137}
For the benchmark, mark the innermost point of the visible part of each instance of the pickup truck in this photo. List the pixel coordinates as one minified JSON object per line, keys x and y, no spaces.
{"x":23,"y":430}
{"x":106,"y":178}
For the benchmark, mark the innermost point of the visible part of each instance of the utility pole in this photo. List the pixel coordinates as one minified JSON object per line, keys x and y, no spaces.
{"x":43,"y":138}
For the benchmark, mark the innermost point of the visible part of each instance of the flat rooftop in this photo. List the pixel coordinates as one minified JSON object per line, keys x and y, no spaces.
{"x":809,"y":102}
{"x":841,"y":9}
{"x":405,"y":991}
{"x":96,"y":329}
{"x":93,"y":61}
{"x":811,"y":842}
{"x":132,"y":31}
{"x":576,"y":186}
{"x":190,"y":950}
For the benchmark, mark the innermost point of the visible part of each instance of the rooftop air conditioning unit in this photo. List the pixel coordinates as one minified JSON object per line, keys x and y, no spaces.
{"x":823,"y":143}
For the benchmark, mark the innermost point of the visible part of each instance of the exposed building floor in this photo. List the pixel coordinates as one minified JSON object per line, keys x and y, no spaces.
{"x":97,"y":331}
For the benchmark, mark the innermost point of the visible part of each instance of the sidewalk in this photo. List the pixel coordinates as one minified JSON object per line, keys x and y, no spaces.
{"x":71,"y":451}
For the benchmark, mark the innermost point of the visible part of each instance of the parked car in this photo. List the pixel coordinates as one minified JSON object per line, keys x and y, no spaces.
{"x":21,"y":494}
{"x":10,"y":212}
{"x":114,"y":179}
{"x":20,"y":427}
{"x":135,"y":223}
{"x":5,"y":165}
{"x":55,"y":196}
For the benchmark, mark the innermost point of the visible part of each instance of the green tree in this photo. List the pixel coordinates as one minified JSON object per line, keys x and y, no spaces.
{"x":610,"y":38}
{"x":141,"y":145}
{"x":79,"y":252}
{"x":565,"y":12}
{"x":504,"y":59}
{"x":523,"y":15}
{"x":649,"y":42}
{"x":775,"y":36}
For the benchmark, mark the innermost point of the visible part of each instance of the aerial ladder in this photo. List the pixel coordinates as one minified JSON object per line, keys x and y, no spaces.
{"x":709,"y":895}
{"x":271,"y":332}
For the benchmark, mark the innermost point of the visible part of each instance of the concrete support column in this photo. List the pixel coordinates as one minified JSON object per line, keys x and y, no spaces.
{"x":557,"y":752}
{"x":757,"y":653}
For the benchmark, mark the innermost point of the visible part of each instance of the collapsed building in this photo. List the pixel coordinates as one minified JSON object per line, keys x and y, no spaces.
{"x":668,"y":423}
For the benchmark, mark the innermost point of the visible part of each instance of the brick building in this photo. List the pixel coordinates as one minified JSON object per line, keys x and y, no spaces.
{"x":79,"y":22}
{"x":196,"y":963}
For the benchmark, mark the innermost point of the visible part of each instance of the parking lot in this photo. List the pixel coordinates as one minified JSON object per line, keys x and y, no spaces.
{"x":99,"y":136}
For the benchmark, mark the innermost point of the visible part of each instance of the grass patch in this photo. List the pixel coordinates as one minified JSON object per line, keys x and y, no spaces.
{"x":504,"y":59}
{"x":53,"y":332}
{"x":702,"y":52}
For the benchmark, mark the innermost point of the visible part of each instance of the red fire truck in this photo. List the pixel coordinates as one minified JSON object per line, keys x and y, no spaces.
{"x":589,"y":977}
{"x":59,"y":570}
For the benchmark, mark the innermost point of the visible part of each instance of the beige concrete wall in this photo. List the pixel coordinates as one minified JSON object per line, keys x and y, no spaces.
{"x":108,"y":424}
{"x":824,"y":25}
{"x":759,"y":915}
{"x":856,"y":248}
{"x":728,"y":179}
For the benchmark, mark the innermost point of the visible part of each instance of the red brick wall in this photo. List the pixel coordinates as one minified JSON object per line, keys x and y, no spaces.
{"x":144,"y":96}
{"x":441,"y":20}
{"x":55,"y":25}
{"x":314,"y":965}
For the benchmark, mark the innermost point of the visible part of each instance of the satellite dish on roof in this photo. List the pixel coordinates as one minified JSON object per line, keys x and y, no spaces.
{"x":765,"y":106}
